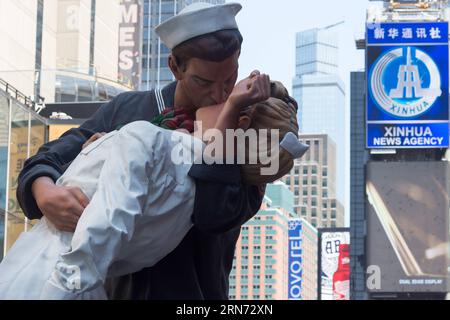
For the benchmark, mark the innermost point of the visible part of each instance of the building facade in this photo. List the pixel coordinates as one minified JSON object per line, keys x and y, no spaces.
{"x":358,"y":158}
{"x":260,"y":264}
{"x":62,"y":51}
{"x":312,"y":180}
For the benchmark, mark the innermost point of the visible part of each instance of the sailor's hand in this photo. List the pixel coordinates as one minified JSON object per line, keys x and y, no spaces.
{"x":93,"y":138}
{"x":61,"y":205}
{"x":253,"y":89}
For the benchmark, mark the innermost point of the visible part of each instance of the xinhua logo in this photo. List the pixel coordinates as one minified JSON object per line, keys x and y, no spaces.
{"x":405,"y":82}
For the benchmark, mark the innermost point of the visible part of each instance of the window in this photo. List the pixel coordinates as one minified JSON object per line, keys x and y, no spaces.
{"x":313,"y":212}
{"x":305,"y":170}
{"x":305,"y":192}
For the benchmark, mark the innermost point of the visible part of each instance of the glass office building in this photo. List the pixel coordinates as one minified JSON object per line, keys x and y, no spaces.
{"x":320,"y":92}
{"x":22,"y":132}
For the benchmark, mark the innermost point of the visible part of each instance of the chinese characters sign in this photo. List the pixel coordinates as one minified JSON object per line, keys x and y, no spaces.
{"x":400,"y":33}
{"x":407,"y":78}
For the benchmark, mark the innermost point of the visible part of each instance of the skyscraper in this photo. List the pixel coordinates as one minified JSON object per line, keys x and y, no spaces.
{"x":320,"y":92}
{"x":155,"y":69}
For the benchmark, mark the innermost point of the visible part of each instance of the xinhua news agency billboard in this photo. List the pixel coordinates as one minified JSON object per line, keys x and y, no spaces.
{"x":407,"y":85}
{"x":295,"y":262}
{"x":334,"y":264}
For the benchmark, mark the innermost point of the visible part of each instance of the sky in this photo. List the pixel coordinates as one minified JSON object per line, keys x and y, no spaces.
{"x":269,"y":28}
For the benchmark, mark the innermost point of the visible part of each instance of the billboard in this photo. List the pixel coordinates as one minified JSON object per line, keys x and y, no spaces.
{"x":130,"y":35}
{"x":407,"y":85}
{"x":408,"y":226}
{"x":295,"y":269}
{"x":334,"y":264}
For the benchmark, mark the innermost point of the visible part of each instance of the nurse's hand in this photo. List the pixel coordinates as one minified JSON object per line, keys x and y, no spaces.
{"x":253,"y":89}
{"x":61,"y":205}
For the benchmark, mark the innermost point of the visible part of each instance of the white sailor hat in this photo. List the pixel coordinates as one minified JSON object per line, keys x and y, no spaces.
{"x":197,"y":19}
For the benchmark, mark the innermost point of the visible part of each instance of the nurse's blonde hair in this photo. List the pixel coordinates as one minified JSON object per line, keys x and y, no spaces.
{"x":278,"y":112}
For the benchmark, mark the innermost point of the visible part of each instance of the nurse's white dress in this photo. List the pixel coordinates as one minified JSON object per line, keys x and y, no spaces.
{"x":141,"y":203}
